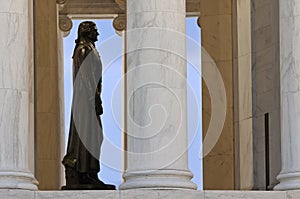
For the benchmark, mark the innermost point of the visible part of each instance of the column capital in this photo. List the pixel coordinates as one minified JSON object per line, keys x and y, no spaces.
{"x":119,"y":23}
{"x":65,"y":24}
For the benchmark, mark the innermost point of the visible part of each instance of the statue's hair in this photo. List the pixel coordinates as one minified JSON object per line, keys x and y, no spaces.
{"x":84,"y":29}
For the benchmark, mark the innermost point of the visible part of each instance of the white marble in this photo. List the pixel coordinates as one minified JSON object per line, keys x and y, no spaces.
{"x":14,"y":51}
{"x":156,"y":96}
{"x":244,"y":195}
{"x":15,"y":110}
{"x":149,"y":194}
{"x":293,"y":194}
{"x":15,"y":6}
{"x":289,"y":176}
{"x":14,"y":194}
{"x":158,"y":194}
{"x":76,"y":194}
{"x":145,"y":6}
{"x":14,"y":143}
{"x":13,"y":129}
{"x":128,"y":194}
{"x":158,"y":20}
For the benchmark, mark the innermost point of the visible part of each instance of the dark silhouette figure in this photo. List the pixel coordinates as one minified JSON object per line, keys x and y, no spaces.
{"x":82,"y":159}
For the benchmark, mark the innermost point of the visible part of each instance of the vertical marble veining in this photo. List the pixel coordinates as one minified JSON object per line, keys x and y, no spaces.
{"x":19,"y":7}
{"x":14,"y":51}
{"x":16,"y":68}
{"x":156,"y":96}
{"x":289,"y":176}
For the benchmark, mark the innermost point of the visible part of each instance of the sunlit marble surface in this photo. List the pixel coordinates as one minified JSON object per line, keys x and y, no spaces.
{"x":149,"y":194}
{"x":15,"y":69}
{"x":156,"y":96}
{"x":289,"y":176}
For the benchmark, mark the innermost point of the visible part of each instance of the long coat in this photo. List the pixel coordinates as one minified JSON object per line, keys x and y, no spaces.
{"x":85,"y":135}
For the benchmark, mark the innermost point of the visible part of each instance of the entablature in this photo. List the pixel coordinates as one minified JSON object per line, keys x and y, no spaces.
{"x":105,"y":9}
{"x":99,"y":9}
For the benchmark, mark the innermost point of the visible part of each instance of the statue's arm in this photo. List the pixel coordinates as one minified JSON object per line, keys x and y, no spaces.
{"x":82,"y":54}
{"x":79,"y":56}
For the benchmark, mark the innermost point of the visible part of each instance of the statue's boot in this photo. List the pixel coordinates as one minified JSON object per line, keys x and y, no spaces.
{"x":84,"y":181}
{"x":92,"y":179}
{"x":72,"y":179}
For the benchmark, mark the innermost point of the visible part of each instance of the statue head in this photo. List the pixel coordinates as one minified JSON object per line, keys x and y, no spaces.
{"x":88,"y":30}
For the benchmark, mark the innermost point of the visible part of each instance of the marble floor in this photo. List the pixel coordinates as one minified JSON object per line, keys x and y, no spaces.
{"x":148,"y":194}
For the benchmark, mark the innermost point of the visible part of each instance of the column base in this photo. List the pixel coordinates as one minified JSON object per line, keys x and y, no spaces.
{"x":161,"y":179}
{"x":288,"y":181}
{"x":17,"y":180}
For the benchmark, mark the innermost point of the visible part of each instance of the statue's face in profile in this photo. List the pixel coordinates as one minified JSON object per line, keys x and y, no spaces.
{"x":93,"y":35}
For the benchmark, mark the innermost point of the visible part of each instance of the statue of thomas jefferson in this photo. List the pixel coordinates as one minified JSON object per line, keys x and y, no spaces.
{"x":85,"y":136}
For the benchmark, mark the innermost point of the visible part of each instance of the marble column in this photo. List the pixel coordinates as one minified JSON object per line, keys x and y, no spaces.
{"x":289,"y":176}
{"x":156,"y":96}
{"x":16,"y":66}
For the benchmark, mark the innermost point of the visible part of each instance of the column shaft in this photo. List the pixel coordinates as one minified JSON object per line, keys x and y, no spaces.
{"x":289,"y":176}
{"x":16,"y":66}
{"x":156,"y":96}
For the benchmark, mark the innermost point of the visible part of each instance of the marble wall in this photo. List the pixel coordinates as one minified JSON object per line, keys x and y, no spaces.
{"x":216,"y":27}
{"x":242,"y":36}
{"x":266,"y":90}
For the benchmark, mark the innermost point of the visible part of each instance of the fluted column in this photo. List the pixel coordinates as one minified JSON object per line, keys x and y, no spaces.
{"x":289,"y":176}
{"x":156,"y":96}
{"x":16,"y":66}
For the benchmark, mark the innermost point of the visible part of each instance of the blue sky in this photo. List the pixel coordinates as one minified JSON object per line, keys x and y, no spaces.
{"x":110,"y":49}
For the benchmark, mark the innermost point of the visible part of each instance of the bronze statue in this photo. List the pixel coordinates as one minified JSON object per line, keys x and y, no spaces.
{"x":85,"y":136}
